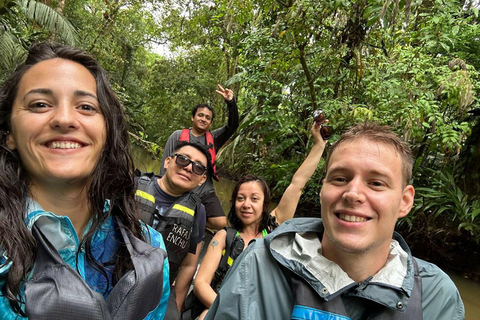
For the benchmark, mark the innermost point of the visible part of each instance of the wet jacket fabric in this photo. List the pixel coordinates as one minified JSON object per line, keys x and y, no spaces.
{"x":259,"y":284}
{"x":59,"y":231}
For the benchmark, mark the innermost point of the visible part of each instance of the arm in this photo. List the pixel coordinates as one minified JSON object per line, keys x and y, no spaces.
{"x":288,"y":203}
{"x":209,"y":265}
{"x":216,"y":223}
{"x":224,"y":133}
{"x":169,"y":148}
{"x":185,"y":276}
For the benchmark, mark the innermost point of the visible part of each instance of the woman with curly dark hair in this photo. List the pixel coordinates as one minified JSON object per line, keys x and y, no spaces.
{"x":250,"y":218}
{"x":71,"y":244}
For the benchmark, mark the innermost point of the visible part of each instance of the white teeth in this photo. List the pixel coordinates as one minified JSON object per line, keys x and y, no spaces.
{"x":351,"y":218}
{"x":64,"y":145}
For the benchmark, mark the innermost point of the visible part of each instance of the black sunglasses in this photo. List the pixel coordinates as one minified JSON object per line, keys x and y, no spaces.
{"x":326,"y":131}
{"x":183,"y":161}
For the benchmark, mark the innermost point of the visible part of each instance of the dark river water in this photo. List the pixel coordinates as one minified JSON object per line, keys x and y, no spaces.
{"x":469,"y":290}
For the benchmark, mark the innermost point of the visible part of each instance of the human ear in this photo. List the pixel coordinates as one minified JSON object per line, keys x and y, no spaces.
{"x":204,"y":177}
{"x":166,"y":162}
{"x":10,"y":141}
{"x":406,"y":202}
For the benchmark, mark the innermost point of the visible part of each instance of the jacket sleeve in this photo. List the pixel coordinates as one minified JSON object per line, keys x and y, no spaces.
{"x":221,"y":135}
{"x":169,"y":148}
{"x":255,"y":288}
{"x":440,"y":297}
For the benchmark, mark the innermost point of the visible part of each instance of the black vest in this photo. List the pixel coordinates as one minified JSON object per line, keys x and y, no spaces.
{"x":176,"y":225}
{"x":309,"y":305}
{"x":56,"y":291}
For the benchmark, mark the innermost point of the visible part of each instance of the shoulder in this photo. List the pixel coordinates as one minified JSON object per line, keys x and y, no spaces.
{"x":440,"y":296}
{"x":296,"y":225}
{"x":175,"y":135}
{"x":220,"y":236}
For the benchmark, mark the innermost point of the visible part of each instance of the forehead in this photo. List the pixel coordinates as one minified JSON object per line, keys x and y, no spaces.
{"x":251,"y":187}
{"x":194,"y":154}
{"x":366,"y":154}
{"x":60,"y":73}
{"x":205,"y":111}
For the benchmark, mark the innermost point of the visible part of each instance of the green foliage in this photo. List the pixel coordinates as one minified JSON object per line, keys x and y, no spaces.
{"x":23,"y":22}
{"x":446,"y":205}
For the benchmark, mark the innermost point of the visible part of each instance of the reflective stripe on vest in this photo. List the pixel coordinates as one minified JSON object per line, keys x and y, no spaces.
{"x":57,"y":292}
{"x":184,"y":209}
{"x":145,"y":195}
{"x":309,"y":304}
{"x":210,"y":143}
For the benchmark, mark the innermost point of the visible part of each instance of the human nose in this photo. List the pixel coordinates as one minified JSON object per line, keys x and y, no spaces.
{"x":189,"y":167}
{"x":246,"y":203}
{"x":354,"y":192}
{"x":64,"y":117}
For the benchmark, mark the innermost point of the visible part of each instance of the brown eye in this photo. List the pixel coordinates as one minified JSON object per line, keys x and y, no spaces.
{"x":38,"y":105}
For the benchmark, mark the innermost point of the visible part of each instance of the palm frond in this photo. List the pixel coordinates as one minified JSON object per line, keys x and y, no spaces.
{"x":50,"y":19}
{"x":11,"y":54}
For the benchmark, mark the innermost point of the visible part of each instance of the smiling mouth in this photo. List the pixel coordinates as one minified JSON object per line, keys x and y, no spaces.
{"x":63,"y":145}
{"x":349,"y":218}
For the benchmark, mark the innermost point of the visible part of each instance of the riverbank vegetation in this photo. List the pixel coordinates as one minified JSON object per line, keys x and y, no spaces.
{"x":411,"y":64}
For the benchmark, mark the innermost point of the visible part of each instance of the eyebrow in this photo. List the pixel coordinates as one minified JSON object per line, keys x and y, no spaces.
{"x":49,"y":92}
{"x":375,"y":172}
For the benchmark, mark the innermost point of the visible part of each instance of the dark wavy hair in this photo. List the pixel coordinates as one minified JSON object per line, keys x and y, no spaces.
{"x":235,"y":222}
{"x":112,"y":177}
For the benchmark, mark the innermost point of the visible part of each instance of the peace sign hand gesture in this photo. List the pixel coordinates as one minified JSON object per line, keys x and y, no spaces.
{"x":226,"y":93}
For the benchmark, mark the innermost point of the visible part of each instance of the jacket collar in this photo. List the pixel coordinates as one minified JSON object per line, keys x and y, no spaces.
{"x":296,"y":244}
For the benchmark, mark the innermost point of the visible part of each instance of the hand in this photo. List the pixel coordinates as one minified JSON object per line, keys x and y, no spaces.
{"x":226,"y":93}
{"x":315,"y":131}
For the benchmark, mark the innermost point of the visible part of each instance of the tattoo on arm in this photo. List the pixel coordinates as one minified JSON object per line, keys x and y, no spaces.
{"x":214,"y":243}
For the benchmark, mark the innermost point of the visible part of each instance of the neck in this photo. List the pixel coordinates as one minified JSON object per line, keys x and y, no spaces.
{"x":358,"y":266}
{"x":65,"y":201}
{"x":251,"y":230}
{"x":197,"y":133}
{"x":168,"y":187}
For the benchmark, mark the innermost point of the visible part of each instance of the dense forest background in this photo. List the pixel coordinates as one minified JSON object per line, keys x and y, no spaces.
{"x":411,"y":64}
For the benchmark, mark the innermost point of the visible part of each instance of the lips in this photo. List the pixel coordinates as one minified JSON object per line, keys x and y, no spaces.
{"x":183,"y":176}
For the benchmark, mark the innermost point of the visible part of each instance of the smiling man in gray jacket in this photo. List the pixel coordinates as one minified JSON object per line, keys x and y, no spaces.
{"x":350,"y":264}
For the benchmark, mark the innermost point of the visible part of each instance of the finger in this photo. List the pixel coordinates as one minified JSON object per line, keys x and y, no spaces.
{"x":221,"y":88}
{"x":219,"y":92}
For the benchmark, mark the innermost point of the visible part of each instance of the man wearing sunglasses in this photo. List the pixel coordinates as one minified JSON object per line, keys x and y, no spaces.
{"x":168,"y":204}
{"x":202,"y":118}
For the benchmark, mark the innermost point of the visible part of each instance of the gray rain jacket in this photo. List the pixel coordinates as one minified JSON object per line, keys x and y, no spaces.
{"x":256,"y":286}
